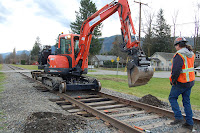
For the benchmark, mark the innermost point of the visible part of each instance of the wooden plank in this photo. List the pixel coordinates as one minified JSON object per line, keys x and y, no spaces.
{"x":142,"y":118}
{"x":92,"y":99}
{"x":57,"y":99}
{"x":85,"y":114}
{"x":100,"y":103}
{"x":62,"y":102}
{"x":86,"y":96}
{"x":115,"y":110}
{"x":81,"y":113}
{"x":103,"y":110}
{"x":111,"y":106}
{"x":157,"y":124}
{"x":74,"y":110}
{"x":129,"y":113}
{"x":67,"y":106}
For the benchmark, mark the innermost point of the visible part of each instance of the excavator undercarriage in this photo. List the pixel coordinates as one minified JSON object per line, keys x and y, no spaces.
{"x":67,"y":83}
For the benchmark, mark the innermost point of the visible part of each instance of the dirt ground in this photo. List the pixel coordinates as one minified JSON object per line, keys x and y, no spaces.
{"x":44,"y":122}
{"x":152,"y":100}
{"x":56,"y":122}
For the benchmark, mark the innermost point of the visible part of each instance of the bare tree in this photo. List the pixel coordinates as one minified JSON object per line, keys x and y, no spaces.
{"x":174,"y":19}
{"x":24,"y":58}
{"x":8,"y":59}
{"x":148,"y":40}
{"x":196,"y":34}
{"x":14,"y":56}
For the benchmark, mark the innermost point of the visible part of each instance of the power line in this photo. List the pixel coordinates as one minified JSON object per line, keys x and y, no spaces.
{"x":184,"y":23}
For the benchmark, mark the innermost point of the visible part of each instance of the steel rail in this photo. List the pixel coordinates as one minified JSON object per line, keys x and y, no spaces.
{"x":114,"y":122}
{"x":147,"y":107}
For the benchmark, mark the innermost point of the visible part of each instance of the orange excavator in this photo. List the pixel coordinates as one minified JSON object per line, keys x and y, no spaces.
{"x":64,"y":70}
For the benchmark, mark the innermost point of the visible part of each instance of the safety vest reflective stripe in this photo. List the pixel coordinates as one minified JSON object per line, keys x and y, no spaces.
{"x":187,"y":73}
{"x":186,"y":70}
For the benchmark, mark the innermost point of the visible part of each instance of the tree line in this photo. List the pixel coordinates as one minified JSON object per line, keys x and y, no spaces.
{"x":23,"y":58}
{"x":157,"y":36}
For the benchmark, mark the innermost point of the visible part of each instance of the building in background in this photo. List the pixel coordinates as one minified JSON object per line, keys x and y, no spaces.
{"x":162,"y":61}
{"x":98,"y":60}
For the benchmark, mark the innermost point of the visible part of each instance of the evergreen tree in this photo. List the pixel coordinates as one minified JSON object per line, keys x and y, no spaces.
{"x":163,"y":42}
{"x":148,"y":42}
{"x":87,"y":9}
{"x":36,"y":49}
{"x":95,"y":46}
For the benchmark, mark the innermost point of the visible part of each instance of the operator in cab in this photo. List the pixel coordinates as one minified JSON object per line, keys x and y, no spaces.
{"x":182,"y":80}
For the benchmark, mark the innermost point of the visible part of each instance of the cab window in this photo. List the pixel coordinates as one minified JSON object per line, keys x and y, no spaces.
{"x":76,"y":44}
{"x":65,"y":46}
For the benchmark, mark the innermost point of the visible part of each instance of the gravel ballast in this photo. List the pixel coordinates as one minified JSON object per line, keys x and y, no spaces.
{"x":22,"y":104}
{"x":25,"y":109}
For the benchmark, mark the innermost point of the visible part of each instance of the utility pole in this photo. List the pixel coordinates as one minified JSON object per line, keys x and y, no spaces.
{"x":140,"y":16}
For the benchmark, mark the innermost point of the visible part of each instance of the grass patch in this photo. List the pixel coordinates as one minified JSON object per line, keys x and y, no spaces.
{"x":112,"y":69}
{"x":89,"y":70}
{"x":159,"y":87}
{"x":29,"y":67}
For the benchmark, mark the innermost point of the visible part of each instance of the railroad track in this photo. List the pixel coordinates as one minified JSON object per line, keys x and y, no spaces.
{"x":126,"y":115}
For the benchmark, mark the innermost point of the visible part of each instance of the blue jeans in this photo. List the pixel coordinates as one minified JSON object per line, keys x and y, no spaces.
{"x":176,"y":90}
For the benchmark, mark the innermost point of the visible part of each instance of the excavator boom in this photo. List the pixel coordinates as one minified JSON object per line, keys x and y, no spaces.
{"x":139,"y":70}
{"x":63,"y":68}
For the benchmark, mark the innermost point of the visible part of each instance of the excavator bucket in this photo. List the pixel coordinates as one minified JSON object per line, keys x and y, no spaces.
{"x":138,"y":75}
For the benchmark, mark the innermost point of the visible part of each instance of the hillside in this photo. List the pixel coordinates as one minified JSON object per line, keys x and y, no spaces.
{"x":107,"y":44}
{"x":17,"y":53}
{"x":106,"y":47}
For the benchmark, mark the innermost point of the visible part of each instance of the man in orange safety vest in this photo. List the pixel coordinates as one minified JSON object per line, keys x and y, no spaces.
{"x":182,"y":80}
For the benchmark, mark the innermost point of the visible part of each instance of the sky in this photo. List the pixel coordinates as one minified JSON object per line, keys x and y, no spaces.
{"x":22,"y":21}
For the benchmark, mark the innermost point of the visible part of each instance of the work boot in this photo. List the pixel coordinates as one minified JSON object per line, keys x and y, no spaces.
{"x":185,"y":125}
{"x":177,"y":121}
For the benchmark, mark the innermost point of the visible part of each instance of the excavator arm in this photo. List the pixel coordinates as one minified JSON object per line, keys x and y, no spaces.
{"x":138,"y":67}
